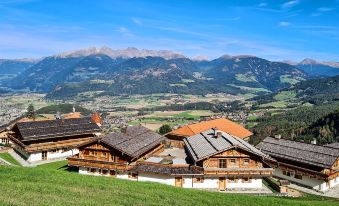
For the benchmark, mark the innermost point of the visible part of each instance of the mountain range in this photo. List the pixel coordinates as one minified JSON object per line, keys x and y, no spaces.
{"x":134,"y":71}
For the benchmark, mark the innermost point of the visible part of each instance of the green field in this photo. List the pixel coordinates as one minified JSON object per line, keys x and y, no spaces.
{"x":277,"y":104}
{"x":52,"y":184}
{"x":285,"y":95}
{"x":290,"y":80}
{"x":9,"y":158}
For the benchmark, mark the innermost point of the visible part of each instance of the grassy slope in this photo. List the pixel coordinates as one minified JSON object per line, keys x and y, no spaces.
{"x":51,"y":184}
{"x":9,"y":158}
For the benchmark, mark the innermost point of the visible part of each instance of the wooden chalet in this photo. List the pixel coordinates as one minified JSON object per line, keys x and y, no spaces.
{"x":176,"y":137}
{"x":228,"y":162}
{"x":311,"y":165}
{"x":3,"y":136}
{"x":216,"y":160}
{"x":52,"y":139}
{"x":117,"y":153}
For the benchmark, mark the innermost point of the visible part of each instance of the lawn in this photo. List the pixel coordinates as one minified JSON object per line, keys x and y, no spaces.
{"x":9,"y":158}
{"x":52,"y":184}
{"x":277,"y":104}
{"x":285,"y":95}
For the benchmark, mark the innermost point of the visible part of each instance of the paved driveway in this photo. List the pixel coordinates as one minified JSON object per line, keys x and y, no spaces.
{"x":333,"y":192}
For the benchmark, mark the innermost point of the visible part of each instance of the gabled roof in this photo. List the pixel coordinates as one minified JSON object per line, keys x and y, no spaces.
{"x":222,"y":124}
{"x":37,"y":130}
{"x":137,"y":141}
{"x":308,"y":154}
{"x":206,"y":144}
{"x":333,"y":145}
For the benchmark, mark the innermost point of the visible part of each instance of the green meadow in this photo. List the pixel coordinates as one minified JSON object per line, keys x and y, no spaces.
{"x":53,"y":184}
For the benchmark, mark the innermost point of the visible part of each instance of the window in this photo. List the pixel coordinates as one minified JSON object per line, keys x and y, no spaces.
{"x":112,"y":173}
{"x":93,"y":170}
{"x":246,"y":161}
{"x":287,"y":173}
{"x":92,"y":153}
{"x":198,"y":180}
{"x":222,"y":163}
{"x":298,"y":176}
{"x":231,"y":180}
{"x":246,"y":180}
{"x":103,"y":154}
{"x":233,"y":161}
{"x":53,"y":151}
{"x":132,"y":175}
{"x":104,"y":172}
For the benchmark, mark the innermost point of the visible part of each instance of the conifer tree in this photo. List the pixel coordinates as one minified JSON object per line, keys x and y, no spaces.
{"x":30,"y":111}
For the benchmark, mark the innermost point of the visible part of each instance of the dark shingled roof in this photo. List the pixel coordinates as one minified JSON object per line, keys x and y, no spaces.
{"x":206,"y":144}
{"x":56,"y":128}
{"x":135,"y":142}
{"x":309,"y":154}
{"x":333,"y":145}
{"x":168,"y":170}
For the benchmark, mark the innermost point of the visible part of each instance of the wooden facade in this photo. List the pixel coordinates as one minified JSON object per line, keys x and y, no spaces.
{"x":98,"y":154}
{"x":234,"y":162}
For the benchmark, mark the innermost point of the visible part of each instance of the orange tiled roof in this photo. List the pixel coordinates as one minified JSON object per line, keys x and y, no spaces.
{"x":96,"y":118}
{"x":225,"y":125}
{"x":72,"y":115}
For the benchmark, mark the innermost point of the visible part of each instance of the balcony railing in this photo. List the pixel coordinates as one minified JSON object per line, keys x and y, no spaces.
{"x":239,"y":171}
{"x":73,"y":161}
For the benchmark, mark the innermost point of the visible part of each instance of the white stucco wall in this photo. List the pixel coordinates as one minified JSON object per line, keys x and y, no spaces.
{"x":83,"y":171}
{"x":306,"y":180}
{"x":253,"y":184}
{"x":34,"y":157}
{"x":163,"y":179}
{"x":208,"y":183}
{"x":334,"y":182}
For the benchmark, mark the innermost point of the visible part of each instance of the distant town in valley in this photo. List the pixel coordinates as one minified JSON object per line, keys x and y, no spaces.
{"x":174,"y":108}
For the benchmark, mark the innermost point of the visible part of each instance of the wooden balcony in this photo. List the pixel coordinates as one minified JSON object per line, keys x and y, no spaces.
{"x":262,"y":172}
{"x":78,"y":162}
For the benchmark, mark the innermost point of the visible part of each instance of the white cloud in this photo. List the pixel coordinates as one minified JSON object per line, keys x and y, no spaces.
{"x":321,"y":10}
{"x":137,"y":21}
{"x":290,"y":4}
{"x":284,"y":23}
{"x":263,"y":4}
{"x":125,"y":31}
{"x":324,"y":9}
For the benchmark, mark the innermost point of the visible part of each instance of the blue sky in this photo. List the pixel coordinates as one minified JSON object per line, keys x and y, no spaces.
{"x":276,"y":30}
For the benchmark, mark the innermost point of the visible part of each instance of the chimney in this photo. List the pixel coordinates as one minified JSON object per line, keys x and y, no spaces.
{"x":314,"y":141}
{"x":73,"y":109}
{"x":58,"y":116}
{"x":217,"y":133}
{"x":277,"y":136}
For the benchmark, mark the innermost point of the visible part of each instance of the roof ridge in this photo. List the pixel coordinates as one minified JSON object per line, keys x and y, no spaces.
{"x":216,"y":149}
{"x":30,"y":128}
{"x":191,"y":128}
